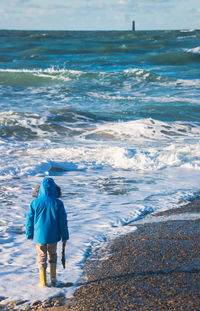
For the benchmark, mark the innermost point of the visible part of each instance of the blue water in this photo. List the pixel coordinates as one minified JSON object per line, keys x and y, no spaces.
{"x":114,"y":117}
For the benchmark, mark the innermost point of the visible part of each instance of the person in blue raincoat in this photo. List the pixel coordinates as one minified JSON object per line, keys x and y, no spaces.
{"x":46,"y":224}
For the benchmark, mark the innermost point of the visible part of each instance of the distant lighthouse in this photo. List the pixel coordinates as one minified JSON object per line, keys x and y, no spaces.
{"x":133,"y":25}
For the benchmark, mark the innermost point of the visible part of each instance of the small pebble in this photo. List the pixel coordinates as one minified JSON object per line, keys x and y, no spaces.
{"x":35,"y":303}
{"x":46,"y":304}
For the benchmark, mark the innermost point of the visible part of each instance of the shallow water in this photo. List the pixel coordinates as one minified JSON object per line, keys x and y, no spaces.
{"x":114,"y":117}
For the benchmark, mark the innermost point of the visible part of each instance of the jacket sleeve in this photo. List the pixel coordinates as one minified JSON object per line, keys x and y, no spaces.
{"x":30,"y":222}
{"x":63,"y":226}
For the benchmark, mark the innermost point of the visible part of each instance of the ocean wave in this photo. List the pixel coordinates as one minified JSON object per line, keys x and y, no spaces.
{"x":63,"y":77}
{"x":140,"y":149}
{"x":193,"y":82}
{"x":173,"y":58}
{"x":38,"y":161}
{"x":21,"y":126}
{"x":195,"y":50}
{"x":146,"y":129}
{"x":52,"y":76}
{"x":50,"y":125}
{"x":137,"y":214}
{"x":187,"y":30}
{"x":39,"y":77}
{"x":125,"y":158}
{"x":45,"y":77}
{"x":64,"y":124}
{"x":146,"y":75}
{"x":186,"y":37}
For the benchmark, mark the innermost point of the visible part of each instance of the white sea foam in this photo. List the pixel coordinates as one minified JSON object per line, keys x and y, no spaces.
{"x":187,"y":30}
{"x":144,"y":129}
{"x":192,"y":82}
{"x":144,"y":152}
{"x":141,"y":73}
{"x":48,"y":74}
{"x":174,"y":99}
{"x":195,"y":50}
{"x":108,"y":96}
{"x":183,"y":37}
{"x":47,"y":70}
{"x":161,"y":79}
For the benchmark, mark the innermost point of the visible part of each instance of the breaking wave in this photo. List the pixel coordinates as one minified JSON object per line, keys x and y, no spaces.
{"x":195,"y":50}
{"x":65,"y":124}
{"x":143,"y":129}
{"x":51,"y":76}
{"x":60,"y":160}
{"x":134,"y":145}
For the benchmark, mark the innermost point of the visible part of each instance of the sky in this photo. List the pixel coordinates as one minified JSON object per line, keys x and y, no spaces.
{"x":99,"y":14}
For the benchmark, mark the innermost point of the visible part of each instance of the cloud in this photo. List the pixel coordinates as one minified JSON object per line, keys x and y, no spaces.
{"x":14,"y":2}
{"x":122,"y":2}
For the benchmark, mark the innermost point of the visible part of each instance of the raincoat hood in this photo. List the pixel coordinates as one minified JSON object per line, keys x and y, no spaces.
{"x":48,"y":188}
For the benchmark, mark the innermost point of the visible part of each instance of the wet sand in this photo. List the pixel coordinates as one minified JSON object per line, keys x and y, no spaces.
{"x":156,"y":268}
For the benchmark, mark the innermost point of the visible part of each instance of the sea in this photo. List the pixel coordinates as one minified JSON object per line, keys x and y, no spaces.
{"x":114,"y":118}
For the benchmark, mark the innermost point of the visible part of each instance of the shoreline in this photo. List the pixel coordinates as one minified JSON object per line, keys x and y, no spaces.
{"x":156,"y":267}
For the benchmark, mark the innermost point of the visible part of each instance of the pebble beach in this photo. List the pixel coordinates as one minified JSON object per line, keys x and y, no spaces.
{"x":155,"y":268}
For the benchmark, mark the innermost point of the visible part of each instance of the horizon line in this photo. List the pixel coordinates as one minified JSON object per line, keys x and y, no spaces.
{"x":130,"y":30}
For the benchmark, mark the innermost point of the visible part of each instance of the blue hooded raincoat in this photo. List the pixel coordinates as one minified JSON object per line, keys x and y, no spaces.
{"x":46,"y":219}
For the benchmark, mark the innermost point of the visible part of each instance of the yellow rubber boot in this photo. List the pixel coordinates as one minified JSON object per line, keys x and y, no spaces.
{"x":43,"y":278}
{"x":53,"y":273}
